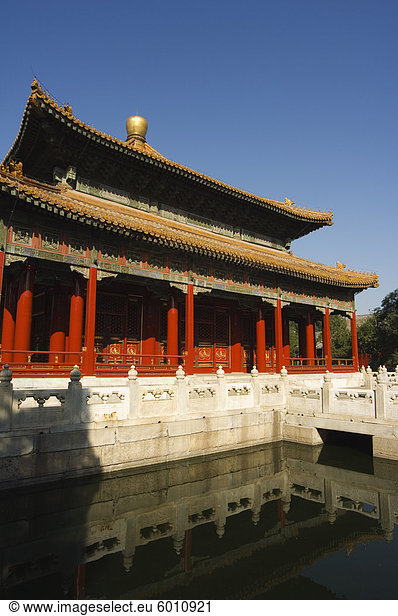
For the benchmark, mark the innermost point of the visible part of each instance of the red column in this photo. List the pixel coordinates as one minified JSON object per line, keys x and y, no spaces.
{"x":58,"y":325}
{"x":76,"y":320}
{"x":286,"y":340}
{"x":189,"y":330}
{"x":327,"y":347}
{"x":1,"y":270}
{"x":8,"y":329}
{"x":23,"y":321}
{"x":172,"y":329}
{"x":236,"y":345}
{"x":309,"y":338}
{"x":260,"y":340}
{"x":89,"y":342}
{"x":354,"y":340}
{"x":278,"y":336}
{"x":150,"y":348}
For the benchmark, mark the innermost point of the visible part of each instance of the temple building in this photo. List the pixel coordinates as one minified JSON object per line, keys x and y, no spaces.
{"x":113,"y":255}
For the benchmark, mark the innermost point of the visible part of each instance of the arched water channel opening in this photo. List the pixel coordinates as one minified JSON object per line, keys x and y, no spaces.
{"x":347,"y":450}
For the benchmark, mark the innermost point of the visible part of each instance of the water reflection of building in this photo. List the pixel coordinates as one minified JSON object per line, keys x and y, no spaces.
{"x":157,"y":533}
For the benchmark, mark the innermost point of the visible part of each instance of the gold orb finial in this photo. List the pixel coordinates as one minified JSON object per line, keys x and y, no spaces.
{"x":136,"y":128}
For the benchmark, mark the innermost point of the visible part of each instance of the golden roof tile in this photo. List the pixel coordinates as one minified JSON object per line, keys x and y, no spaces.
{"x":287,"y":207}
{"x":182,"y":235}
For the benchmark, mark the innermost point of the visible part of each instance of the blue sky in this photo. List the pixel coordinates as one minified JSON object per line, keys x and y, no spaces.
{"x":286,"y":98}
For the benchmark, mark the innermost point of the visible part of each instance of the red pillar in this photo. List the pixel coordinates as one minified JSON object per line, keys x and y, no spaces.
{"x":327,"y":347}
{"x":23,"y":321}
{"x":354,"y":341}
{"x":189,"y":330}
{"x":309,"y":339}
{"x":76,"y":321}
{"x":236,"y":345}
{"x":89,"y":342}
{"x":286,"y":340}
{"x":150,"y":346}
{"x":260,"y":340}
{"x":8,"y":329}
{"x":1,"y":270}
{"x":58,"y":325}
{"x":278,"y":336}
{"x":172,"y":329}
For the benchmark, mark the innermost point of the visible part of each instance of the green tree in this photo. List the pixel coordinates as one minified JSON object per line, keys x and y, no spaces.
{"x":378,"y":335}
{"x":368,"y":340}
{"x":387,"y":329}
{"x":340,"y":337}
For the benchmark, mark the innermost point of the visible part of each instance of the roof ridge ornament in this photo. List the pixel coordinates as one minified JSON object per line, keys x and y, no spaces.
{"x":136,"y":127}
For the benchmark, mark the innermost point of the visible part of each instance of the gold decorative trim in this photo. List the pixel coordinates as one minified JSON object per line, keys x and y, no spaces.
{"x":104,"y":214}
{"x":288,"y":206}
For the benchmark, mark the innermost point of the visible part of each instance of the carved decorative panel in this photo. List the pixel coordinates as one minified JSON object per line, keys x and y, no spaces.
{"x":109,"y":253}
{"x":77,"y":247}
{"x":133,"y":257}
{"x":177,"y":267}
{"x":221,"y":274}
{"x":50,"y":241}
{"x":155,"y":262}
{"x":22,"y":235}
{"x":202,"y":271}
{"x":205,"y":355}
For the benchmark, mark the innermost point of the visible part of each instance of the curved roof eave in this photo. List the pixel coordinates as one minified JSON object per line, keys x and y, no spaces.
{"x":149,"y":155}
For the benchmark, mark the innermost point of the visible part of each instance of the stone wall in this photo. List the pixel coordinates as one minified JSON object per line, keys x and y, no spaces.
{"x":58,"y":428}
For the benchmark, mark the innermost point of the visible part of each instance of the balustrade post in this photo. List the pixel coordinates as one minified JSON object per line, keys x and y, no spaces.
{"x":134,"y":398}
{"x":256,"y":387}
{"x":182,"y":392}
{"x":6,"y":398}
{"x":221,"y":390}
{"x":284,"y":385}
{"x":368,"y":378}
{"x":326,"y":393}
{"x":381,"y":394}
{"x":74,"y":397}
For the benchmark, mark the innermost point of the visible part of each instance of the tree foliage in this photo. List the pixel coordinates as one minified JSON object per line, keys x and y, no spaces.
{"x":378,"y":335}
{"x":340,"y":337}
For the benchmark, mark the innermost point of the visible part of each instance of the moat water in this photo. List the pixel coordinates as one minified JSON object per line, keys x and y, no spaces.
{"x":278,"y":522}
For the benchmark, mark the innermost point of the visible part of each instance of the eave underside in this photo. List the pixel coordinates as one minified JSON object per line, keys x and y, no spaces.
{"x":142,"y":226}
